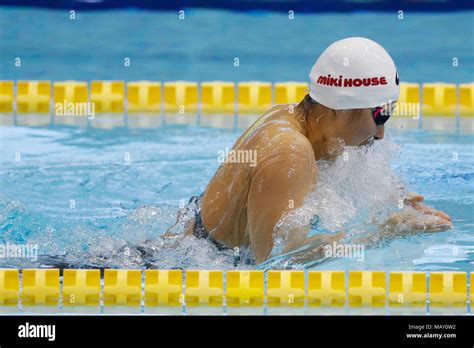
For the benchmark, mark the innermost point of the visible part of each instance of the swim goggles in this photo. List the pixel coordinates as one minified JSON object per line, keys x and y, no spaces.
{"x":382,"y":113}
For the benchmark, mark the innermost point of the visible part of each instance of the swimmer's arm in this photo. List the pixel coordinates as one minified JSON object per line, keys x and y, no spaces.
{"x":279,"y":184}
{"x":414,"y":218}
{"x":180,"y":230}
{"x":313,"y":248}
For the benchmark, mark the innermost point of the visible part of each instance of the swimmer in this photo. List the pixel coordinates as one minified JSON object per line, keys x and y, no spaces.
{"x":354,"y":84}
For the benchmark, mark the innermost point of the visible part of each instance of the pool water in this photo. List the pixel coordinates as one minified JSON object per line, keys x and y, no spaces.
{"x":224,"y":45}
{"x":89,"y":193}
{"x":86,"y":193}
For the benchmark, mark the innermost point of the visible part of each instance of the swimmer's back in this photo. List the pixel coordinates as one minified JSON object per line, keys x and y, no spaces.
{"x":224,"y":202}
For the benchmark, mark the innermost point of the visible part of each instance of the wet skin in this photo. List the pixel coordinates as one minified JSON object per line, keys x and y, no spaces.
{"x":243,"y":203}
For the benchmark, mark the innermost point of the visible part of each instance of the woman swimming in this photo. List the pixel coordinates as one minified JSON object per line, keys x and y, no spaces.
{"x":354,"y":84}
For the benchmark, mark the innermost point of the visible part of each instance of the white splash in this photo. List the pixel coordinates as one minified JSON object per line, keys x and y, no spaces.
{"x":353,"y":192}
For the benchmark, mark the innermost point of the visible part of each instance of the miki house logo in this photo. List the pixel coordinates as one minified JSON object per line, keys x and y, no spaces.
{"x":350,"y":82}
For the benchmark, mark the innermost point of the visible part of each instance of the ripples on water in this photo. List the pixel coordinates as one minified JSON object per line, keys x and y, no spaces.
{"x":357,"y":189}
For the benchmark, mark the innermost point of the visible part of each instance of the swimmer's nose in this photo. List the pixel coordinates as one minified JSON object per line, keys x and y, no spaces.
{"x":379,"y":133}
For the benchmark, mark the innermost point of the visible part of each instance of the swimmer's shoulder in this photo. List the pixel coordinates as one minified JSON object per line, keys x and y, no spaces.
{"x":271,"y":119}
{"x":284,"y":128}
{"x":291,"y":153}
{"x":279,"y":141}
{"x":280,"y":110}
{"x":291,"y":140}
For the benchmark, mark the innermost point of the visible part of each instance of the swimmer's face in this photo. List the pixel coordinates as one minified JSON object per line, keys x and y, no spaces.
{"x":358,"y":127}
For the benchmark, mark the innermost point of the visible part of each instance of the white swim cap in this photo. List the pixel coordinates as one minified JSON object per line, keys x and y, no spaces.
{"x":354,"y":73}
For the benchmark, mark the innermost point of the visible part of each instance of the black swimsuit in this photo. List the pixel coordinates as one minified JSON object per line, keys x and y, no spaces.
{"x":199,"y":231}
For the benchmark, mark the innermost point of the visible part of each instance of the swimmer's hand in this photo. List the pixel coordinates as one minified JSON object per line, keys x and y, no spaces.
{"x":414,"y":200}
{"x":418,"y":217}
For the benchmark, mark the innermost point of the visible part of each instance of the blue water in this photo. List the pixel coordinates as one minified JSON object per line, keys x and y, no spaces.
{"x":204,"y":45}
{"x":126,"y":186}
{"x":87,"y":192}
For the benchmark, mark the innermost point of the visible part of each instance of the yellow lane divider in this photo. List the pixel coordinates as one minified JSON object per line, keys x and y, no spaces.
{"x":407,"y":289}
{"x":108,"y":96}
{"x":122,"y":287}
{"x":286,"y":288}
{"x":367,"y":289}
{"x":327,"y":288}
{"x":448,"y":288}
{"x":243,"y":288}
{"x":211,"y":97}
{"x":40,"y":287}
{"x":81,"y":287}
{"x":204,"y":288}
{"x":33,"y":96}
